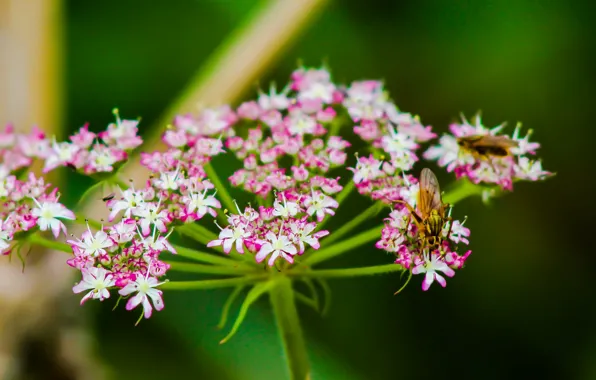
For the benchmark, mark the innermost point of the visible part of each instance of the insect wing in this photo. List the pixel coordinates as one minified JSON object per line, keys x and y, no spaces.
{"x":429,"y":197}
{"x":496,"y":141}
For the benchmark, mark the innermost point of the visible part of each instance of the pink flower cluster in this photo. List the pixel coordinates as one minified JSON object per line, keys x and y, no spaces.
{"x":126,"y":254}
{"x":380,"y":180}
{"x":502,"y":171}
{"x":292,"y":159}
{"x":28,"y":207}
{"x":283,"y":230}
{"x":400,"y":238}
{"x":86,"y":151}
{"x":120,"y":256}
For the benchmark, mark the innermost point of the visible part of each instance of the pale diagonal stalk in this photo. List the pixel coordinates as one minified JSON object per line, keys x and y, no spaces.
{"x":349,"y":272}
{"x":288,"y":325}
{"x":226,"y":308}
{"x":326,"y":294}
{"x":307,"y":301}
{"x":353,"y":223}
{"x":257,"y":291}
{"x":212,"y":284}
{"x":313,"y":291}
{"x":222,"y":191}
{"x":36,"y":239}
{"x":242,"y":58}
{"x":209,"y":269}
{"x":342,"y":247}
{"x":231,"y":69}
{"x":205,"y":257}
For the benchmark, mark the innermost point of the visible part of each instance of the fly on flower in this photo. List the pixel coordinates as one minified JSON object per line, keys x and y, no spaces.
{"x":109,"y":197}
{"x":487,"y":146}
{"x":432,"y":218}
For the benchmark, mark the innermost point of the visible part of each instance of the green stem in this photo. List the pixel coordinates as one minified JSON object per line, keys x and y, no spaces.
{"x":226,"y":308}
{"x":310,"y":302}
{"x":350,"y":272}
{"x":222,"y":190}
{"x":92,"y":222}
{"x":205,"y":257}
{"x":208,"y":269}
{"x":203,"y":236}
{"x":340,"y":198}
{"x":347,"y":190}
{"x":288,"y":324}
{"x":327,"y":295}
{"x":47,"y":243}
{"x":197,"y":232}
{"x":346,"y":245}
{"x":90,"y":190}
{"x":118,"y":182}
{"x":212,"y":284}
{"x":348,"y":227}
{"x":460,"y":190}
{"x":190,"y":231}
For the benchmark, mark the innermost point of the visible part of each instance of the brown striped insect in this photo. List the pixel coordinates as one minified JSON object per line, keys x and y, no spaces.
{"x":487,"y":146}
{"x":431,"y":216}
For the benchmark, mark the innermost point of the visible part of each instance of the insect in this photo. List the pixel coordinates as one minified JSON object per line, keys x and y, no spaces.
{"x":487,"y":146}
{"x":432,"y":217}
{"x":109,"y":197}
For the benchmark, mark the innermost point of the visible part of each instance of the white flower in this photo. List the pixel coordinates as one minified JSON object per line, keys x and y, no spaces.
{"x":202,"y":203}
{"x":318,"y":91}
{"x":300,"y":123}
{"x":47,"y":214}
{"x":145,"y":288}
{"x":367,"y":169}
{"x":60,"y":154}
{"x":276,"y":246}
{"x":230,"y":235}
{"x":302,"y":233}
{"x":150,"y":214}
{"x":449,"y":153}
{"x":431,"y":266}
{"x":131,"y":199}
{"x":397,"y":142}
{"x":320,"y":204}
{"x":459,"y":233}
{"x":96,"y":279}
{"x":92,"y":245}
{"x":285,"y":210}
{"x":530,"y":170}
{"x":5,"y":237}
{"x":273,"y":100}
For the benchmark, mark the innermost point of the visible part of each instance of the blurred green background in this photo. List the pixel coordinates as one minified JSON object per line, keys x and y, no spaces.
{"x":523,"y":306}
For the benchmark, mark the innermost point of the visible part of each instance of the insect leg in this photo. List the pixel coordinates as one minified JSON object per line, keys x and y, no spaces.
{"x":450,"y":221}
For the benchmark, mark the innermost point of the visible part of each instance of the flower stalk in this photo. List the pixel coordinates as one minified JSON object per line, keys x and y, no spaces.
{"x":332,"y":251}
{"x":39,"y":240}
{"x":212,"y":284}
{"x":288,"y":325}
{"x":349,"y":272}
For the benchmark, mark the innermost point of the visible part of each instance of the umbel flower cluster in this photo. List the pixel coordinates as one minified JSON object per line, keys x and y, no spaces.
{"x":300,"y":152}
